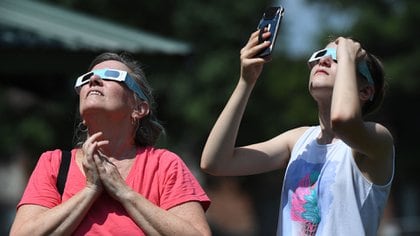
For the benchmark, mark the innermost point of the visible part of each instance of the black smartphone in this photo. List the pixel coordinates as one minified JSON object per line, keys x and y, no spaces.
{"x":271,"y":20}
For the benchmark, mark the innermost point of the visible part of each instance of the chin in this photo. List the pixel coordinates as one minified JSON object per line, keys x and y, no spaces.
{"x":91,"y":109}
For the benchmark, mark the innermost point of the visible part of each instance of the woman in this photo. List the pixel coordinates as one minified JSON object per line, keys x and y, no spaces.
{"x":118,"y":183}
{"x":338,"y":173}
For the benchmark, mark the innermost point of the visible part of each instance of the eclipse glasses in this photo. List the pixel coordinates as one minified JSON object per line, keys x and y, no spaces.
{"x":362,"y":67}
{"x":112,"y":75}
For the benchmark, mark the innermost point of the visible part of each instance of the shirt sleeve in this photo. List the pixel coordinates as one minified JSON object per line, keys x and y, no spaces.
{"x":41,"y":188}
{"x":180,"y":185}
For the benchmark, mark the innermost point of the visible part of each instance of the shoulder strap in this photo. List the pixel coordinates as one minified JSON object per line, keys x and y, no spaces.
{"x":62,"y":172}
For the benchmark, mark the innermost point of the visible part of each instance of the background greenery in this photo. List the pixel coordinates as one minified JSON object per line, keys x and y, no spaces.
{"x":191,"y":93}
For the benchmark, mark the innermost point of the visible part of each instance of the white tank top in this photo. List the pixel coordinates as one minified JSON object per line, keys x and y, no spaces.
{"x":324,"y":192}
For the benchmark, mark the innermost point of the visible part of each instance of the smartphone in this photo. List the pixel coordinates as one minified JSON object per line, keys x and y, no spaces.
{"x":271,"y":20}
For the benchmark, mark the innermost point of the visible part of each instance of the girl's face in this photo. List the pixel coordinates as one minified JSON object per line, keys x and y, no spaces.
{"x":106,"y":96}
{"x":322,"y":75}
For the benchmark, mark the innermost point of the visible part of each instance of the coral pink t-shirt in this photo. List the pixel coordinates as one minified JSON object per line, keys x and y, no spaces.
{"x":158,"y":174}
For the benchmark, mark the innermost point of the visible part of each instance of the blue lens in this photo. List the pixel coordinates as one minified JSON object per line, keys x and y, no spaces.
{"x":112,"y":73}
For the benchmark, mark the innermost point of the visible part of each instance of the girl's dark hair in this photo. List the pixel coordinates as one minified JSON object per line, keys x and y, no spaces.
{"x":376,"y":69}
{"x":149,"y":128}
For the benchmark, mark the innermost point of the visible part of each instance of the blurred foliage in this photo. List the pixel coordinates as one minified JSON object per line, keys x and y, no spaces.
{"x":32,"y":116}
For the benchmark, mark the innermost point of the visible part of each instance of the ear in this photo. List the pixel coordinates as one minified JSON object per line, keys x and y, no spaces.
{"x":367,"y":92}
{"x":141,"y":111}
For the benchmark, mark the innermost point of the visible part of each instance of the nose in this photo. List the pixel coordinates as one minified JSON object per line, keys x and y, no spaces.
{"x":326,"y":61}
{"x":95,"y":80}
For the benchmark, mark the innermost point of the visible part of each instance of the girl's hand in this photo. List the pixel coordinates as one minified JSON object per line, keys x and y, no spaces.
{"x":251,"y":64}
{"x":347,"y":49}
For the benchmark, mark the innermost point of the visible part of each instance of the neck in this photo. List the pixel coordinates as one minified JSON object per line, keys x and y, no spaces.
{"x":327,"y":134}
{"x":118,"y":153}
{"x":120,"y":135}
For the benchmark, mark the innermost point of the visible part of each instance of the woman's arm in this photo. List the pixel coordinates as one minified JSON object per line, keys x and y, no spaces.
{"x":64,"y":218}
{"x":184,"y":219}
{"x":60,"y":220}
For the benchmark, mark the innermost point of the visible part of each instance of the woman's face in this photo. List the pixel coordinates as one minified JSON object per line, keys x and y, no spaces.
{"x":111,"y":97}
{"x":322,"y":75}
